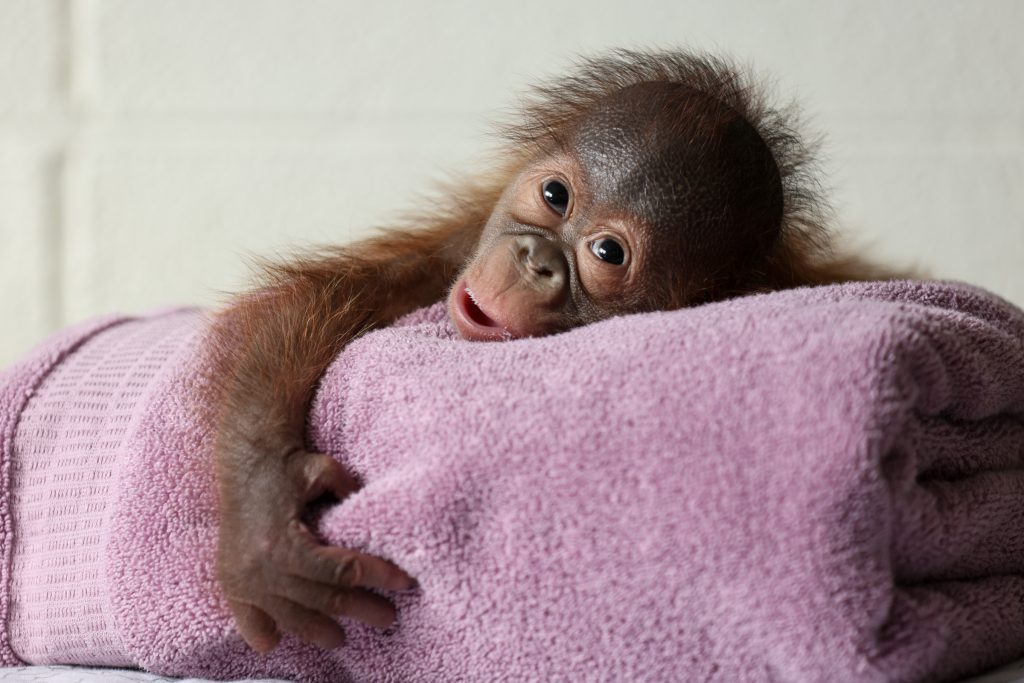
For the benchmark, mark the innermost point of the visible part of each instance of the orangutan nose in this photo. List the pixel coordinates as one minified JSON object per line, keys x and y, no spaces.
{"x":543,"y":262}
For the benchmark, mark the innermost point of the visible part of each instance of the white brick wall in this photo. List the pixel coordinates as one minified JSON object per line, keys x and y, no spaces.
{"x":145,"y":147}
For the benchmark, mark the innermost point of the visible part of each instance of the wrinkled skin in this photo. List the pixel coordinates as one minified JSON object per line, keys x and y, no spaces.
{"x":539,"y":267}
{"x":279,"y":576}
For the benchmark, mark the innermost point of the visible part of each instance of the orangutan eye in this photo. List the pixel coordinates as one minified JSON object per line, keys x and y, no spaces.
{"x":556,"y":195}
{"x":609,"y":251}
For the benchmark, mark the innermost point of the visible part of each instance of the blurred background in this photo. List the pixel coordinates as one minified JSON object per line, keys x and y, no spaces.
{"x":147,"y":147}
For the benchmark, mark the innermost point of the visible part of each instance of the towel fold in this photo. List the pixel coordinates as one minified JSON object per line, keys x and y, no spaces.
{"x":814,"y":485}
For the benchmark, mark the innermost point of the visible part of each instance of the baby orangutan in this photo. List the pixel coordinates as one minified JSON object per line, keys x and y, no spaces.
{"x":640,"y":182}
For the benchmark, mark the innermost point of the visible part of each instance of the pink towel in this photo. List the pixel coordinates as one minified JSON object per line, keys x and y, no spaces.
{"x":814,"y":485}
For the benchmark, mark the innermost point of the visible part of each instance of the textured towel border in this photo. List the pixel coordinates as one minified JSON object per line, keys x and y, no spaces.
{"x":17,"y":385}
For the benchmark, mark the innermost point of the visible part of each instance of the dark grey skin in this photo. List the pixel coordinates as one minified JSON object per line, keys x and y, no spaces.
{"x":636,"y":183}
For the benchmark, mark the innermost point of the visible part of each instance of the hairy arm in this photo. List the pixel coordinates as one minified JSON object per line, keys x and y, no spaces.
{"x":273,"y":344}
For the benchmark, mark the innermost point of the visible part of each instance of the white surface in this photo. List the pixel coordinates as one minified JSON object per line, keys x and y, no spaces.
{"x":70,"y":674}
{"x":145,"y":147}
{"x":1013,"y":673}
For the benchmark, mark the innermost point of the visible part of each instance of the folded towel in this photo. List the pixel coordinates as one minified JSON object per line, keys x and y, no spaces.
{"x":815,"y":485}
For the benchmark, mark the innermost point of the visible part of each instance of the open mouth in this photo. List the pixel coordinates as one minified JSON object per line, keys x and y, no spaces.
{"x":474,"y":311}
{"x":471,"y":320}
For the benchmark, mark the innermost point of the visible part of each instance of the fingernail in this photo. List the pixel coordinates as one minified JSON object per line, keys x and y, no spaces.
{"x":333,"y":641}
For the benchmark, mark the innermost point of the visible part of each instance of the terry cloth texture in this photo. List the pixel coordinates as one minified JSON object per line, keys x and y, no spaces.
{"x":815,"y":485}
